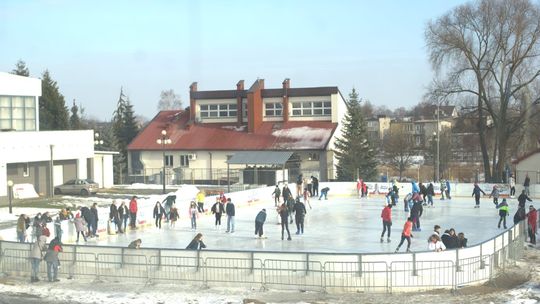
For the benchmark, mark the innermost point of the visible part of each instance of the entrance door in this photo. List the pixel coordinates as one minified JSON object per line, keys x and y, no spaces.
{"x":58,"y":175}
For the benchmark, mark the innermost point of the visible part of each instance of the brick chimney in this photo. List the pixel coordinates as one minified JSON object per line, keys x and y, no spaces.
{"x":286,"y":86}
{"x":255,"y":106}
{"x":192,"y":89}
{"x":239,"y":110}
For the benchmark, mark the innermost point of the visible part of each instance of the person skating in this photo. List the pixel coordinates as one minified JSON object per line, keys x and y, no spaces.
{"x":416,"y":213}
{"x":173,"y":215}
{"x":276,"y":194}
{"x":526,"y":184}
{"x":495,"y":194}
{"x":197,"y":243}
{"x":503,"y":213}
{"x":532,"y":218}
{"x":123,"y":214}
{"x":448,"y":189}
{"x":386,"y":216}
{"x":218,"y":210}
{"x":423,"y":192}
{"x":200,"y":201}
{"x":443,"y":188}
{"x":407,"y":202}
{"x":231,"y":212}
{"x":299,"y":182}
{"x":286,"y":193}
{"x":315,"y":182}
{"x":523,"y":198}
{"x":290,"y":208}
{"x":430,"y":194}
{"x":299,"y":216}
{"x":406,"y":235}
{"x":324,"y":192}
{"x":114,"y":216}
{"x":133,"y":208}
{"x":193,"y":214}
{"x":80,"y":226}
{"x":306,"y":198}
{"x":476,"y":193}
{"x":284,"y":214}
{"x":158,"y":214}
{"x":36,"y":255}
{"x":512,"y":184}
{"x":259,"y":223}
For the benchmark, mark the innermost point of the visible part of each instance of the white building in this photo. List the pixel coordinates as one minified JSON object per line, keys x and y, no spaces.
{"x":37,"y":159}
{"x":219,"y":124}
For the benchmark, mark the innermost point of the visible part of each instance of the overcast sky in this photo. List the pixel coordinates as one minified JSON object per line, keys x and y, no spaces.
{"x":92,"y":48}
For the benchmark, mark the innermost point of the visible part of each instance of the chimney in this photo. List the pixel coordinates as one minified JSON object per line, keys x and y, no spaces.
{"x":286,"y":86}
{"x":239,"y":110}
{"x":192,"y":104}
{"x":255,"y":106}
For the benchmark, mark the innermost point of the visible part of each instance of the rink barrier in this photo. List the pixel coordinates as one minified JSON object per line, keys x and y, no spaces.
{"x":321,"y":272}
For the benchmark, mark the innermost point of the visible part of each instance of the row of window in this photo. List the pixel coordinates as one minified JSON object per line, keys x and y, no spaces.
{"x":18,"y":112}
{"x":184,"y":160}
{"x":272,"y":109}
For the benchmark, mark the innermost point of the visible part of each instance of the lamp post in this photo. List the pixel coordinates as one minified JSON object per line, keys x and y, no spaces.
{"x":164,"y":140}
{"x":97,"y":142}
{"x":438,"y":142}
{"x":10,"y":195}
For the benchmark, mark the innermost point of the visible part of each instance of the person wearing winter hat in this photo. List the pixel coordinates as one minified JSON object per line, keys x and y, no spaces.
{"x":259,"y":223}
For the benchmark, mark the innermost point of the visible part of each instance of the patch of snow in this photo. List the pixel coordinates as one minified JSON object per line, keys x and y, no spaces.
{"x":303,"y":137}
{"x":235,"y":128}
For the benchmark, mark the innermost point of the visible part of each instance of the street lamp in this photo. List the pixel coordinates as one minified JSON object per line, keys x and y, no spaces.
{"x":164,"y":140}
{"x":438,"y":142}
{"x":10,"y":195}
{"x":97,"y":141}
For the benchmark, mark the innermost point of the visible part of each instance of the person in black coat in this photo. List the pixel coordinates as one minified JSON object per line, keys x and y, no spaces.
{"x":423,"y":192}
{"x":449,"y":240}
{"x":113,"y":216}
{"x":284,"y":214}
{"x":95,"y":218}
{"x":218,"y":210}
{"x":196,"y":243}
{"x":259,"y":223}
{"x":286,"y":193}
{"x":299,"y":215}
{"x":522,"y":199}
{"x":520,"y":215}
{"x":158,"y":214}
{"x":315,"y":185}
{"x":416,"y":213}
{"x":88,"y":217}
{"x":230,"y":211}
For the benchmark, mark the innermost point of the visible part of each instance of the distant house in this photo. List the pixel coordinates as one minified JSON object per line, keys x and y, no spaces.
{"x":378,"y":127}
{"x":220,"y":124}
{"x":528,"y":164}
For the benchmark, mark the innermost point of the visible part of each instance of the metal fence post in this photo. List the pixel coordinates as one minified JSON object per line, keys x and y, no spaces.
{"x":252,"y":262}
{"x":482,"y":263}
{"x":503,"y":251}
{"x":414,"y":272}
{"x":458,"y":268}
{"x":158,"y":259}
{"x":198,"y":260}
{"x":307,"y":263}
{"x":359,"y":265}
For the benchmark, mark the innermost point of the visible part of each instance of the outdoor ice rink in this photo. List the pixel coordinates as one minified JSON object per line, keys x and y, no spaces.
{"x":339,"y":224}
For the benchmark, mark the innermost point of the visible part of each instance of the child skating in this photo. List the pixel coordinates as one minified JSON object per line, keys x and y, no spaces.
{"x":503,"y":213}
{"x":406,"y":235}
{"x":386,"y":216}
{"x":495,"y":194}
{"x":476,"y":193}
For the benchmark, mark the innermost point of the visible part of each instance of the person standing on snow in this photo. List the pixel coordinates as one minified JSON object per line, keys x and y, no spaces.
{"x":416,"y":213}
{"x":36,"y":255}
{"x":315,"y":182}
{"x":133,"y":212}
{"x":286,"y":193}
{"x":158,"y":214}
{"x":386,"y":216}
{"x":276,"y":194}
{"x":476,"y":193}
{"x":532,"y":218}
{"x":200,"y":201}
{"x":512,"y":184}
{"x":259,"y":223}
{"x":218,"y":209}
{"x":123,"y":214}
{"x":526,"y":184}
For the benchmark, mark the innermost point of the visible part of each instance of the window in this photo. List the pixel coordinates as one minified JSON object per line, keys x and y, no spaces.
{"x":184,"y":160}
{"x":313,"y":156}
{"x":312,"y":108}
{"x":218,"y":110}
{"x":273,"y":109}
{"x":168,"y":160}
{"x":26,"y":170}
{"x":18,"y":112}
{"x":244,"y":109}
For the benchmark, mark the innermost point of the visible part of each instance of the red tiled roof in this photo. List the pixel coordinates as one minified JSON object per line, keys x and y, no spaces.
{"x":293,"y":135}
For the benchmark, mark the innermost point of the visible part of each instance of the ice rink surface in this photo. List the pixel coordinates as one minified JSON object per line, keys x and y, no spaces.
{"x":339,"y":224}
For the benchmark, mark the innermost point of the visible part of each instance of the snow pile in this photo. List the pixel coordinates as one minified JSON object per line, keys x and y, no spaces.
{"x":235,"y":128}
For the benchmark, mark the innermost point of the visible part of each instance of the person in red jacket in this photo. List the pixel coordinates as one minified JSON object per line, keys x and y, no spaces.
{"x":133,"y":212}
{"x":532,"y":218}
{"x":406,"y":234}
{"x":386,"y":215}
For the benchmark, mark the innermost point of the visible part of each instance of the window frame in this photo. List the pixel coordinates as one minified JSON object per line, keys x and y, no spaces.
{"x":218,"y":110}
{"x":311,"y":108}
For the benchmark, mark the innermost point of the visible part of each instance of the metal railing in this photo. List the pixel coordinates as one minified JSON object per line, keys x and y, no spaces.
{"x":325,"y":272}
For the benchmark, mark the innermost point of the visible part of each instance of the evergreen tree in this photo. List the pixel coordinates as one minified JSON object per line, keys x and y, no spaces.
{"x":74,"y":119}
{"x":53,"y":113}
{"x":125,"y":129}
{"x":21,"y":69}
{"x":353,"y":151}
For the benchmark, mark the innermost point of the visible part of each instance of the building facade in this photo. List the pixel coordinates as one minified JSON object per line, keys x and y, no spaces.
{"x":19,"y":102}
{"x":220,"y":123}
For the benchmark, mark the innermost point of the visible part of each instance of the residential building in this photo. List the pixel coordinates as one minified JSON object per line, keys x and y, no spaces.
{"x":19,"y":102}
{"x":219,"y":124}
{"x":378,"y":127}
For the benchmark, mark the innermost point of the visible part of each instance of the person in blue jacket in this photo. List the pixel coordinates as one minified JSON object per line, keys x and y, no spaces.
{"x":448,"y":189}
{"x":476,"y":193}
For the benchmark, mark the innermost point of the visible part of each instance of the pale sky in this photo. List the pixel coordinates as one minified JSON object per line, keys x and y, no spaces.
{"x":92,"y":48}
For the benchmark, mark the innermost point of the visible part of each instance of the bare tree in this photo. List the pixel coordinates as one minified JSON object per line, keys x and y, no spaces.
{"x":489,"y":49}
{"x":169,"y":101}
{"x":398,"y":151}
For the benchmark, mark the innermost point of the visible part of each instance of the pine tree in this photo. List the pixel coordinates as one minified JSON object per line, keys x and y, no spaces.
{"x":53,"y":113}
{"x":74,"y":119}
{"x":353,"y":150}
{"x":125,"y":129}
{"x":21,"y":69}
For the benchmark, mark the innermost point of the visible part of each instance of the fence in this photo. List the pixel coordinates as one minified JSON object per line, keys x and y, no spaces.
{"x":324,"y":272}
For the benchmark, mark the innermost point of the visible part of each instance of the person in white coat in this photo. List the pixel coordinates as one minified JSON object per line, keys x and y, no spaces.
{"x":36,"y":255}
{"x":435,"y":243}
